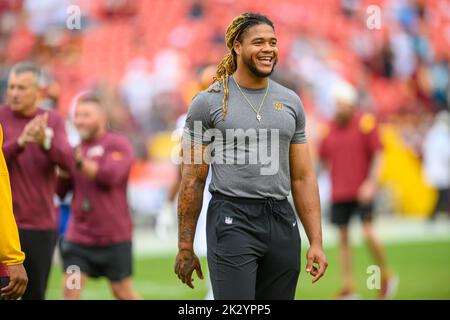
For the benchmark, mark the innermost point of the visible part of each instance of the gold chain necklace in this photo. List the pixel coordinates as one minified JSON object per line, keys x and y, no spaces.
{"x":258,"y":114}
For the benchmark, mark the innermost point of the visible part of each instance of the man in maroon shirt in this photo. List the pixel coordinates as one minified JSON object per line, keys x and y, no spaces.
{"x":351,"y":149}
{"x":98,"y":239}
{"x":34,"y":144}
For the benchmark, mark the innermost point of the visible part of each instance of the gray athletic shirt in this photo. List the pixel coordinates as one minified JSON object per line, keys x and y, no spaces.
{"x":249,"y":158}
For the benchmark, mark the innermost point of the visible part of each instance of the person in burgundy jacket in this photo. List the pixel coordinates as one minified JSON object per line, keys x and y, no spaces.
{"x":35,"y":143}
{"x":98,"y":239}
{"x":352,"y":151}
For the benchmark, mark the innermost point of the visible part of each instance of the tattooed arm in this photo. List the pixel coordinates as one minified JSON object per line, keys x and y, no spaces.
{"x":190,"y":199}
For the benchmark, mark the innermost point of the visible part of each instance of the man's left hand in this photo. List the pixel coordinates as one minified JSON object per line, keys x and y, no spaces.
{"x":366,"y":192}
{"x":316,"y":256}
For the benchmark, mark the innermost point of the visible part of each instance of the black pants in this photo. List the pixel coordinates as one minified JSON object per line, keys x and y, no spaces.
{"x":253,"y":248}
{"x":4,"y":281}
{"x":38,"y":247}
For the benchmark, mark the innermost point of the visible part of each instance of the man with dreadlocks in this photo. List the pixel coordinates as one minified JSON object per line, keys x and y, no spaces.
{"x":252,"y":234}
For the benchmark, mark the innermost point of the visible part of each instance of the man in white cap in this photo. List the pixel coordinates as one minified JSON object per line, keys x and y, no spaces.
{"x":351,"y":149}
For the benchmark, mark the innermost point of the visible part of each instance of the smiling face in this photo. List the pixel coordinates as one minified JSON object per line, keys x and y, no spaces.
{"x":257,"y":50}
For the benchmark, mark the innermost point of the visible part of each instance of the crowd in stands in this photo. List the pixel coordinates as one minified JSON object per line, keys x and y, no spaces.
{"x":146,"y":57}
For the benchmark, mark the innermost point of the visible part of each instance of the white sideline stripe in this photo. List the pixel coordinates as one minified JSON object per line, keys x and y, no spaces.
{"x":388,"y":229}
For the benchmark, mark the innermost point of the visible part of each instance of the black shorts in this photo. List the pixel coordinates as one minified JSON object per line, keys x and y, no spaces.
{"x":253,"y":248}
{"x":113,"y":262}
{"x":341,"y":212}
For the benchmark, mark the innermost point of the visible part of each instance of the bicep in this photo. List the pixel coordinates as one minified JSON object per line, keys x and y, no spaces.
{"x":299,"y":136}
{"x":300,"y":161}
{"x":194,"y":166}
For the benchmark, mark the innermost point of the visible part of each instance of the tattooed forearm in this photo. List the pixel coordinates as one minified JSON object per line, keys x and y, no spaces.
{"x":190,"y":202}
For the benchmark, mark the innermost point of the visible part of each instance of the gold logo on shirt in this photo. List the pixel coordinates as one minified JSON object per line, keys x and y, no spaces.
{"x":278,"y":106}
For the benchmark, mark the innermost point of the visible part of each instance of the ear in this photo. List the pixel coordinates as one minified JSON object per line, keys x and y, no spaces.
{"x":237,"y":48}
{"x":41,"y":92}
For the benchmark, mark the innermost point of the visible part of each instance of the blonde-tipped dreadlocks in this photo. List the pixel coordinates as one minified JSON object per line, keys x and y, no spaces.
{"x":228,"y":65}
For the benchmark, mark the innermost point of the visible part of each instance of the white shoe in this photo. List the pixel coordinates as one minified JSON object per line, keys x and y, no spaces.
{"x":348,"y":295}
{"x":390,"y":287}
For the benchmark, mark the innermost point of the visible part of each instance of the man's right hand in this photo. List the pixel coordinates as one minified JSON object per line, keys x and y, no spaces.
{"x":34,"y":131}
{"x":185,"y":264}
{"x":18,"y":281}
{"x":27,"y":135}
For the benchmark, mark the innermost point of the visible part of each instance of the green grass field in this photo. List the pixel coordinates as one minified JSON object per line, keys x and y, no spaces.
{"x":423,"y":267}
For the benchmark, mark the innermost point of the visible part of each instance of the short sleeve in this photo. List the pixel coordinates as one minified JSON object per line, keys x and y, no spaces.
{"x":198,"y":120}
{"x":299,"y":136}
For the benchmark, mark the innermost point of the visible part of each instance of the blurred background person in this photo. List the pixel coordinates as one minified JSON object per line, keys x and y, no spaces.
{"x":35,"y":143}
{"x":436,"y":161}
{"x":99,"y":234}
{"x":13,"y":277}
{"x":352,"y":152}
